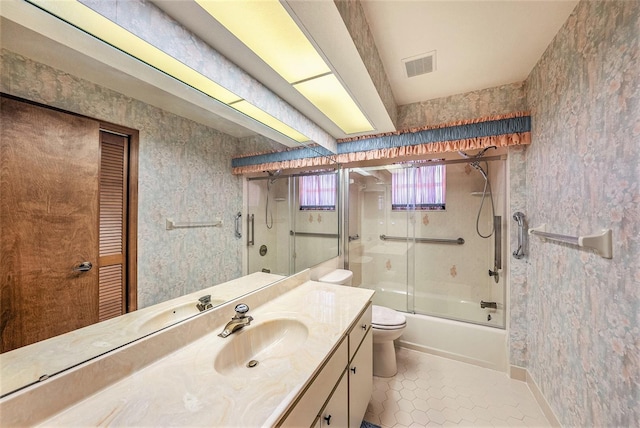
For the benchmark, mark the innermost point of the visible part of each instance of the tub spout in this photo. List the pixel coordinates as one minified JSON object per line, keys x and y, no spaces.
{"x":491,"y":305}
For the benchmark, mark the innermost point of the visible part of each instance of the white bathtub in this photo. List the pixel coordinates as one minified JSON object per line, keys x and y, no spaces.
{"x":482,"y":345}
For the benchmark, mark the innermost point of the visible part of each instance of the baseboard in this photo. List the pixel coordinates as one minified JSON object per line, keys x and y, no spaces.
{"x":450,"y":355}
{"x":518,"y":373}
{"x":522,"y":374}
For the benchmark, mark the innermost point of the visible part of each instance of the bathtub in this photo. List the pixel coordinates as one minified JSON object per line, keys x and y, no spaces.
{"x":474,"y":340}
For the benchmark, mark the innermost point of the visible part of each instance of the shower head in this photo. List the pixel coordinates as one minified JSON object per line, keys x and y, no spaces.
{"x":477,"y":166}
{"x":273,"y":175}
{"x":481,"y":152}
{"x":477,"y":155}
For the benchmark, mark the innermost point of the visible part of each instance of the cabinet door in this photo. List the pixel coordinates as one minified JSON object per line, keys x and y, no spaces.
{"x":335,"y":413}
{"x":361,"y":381}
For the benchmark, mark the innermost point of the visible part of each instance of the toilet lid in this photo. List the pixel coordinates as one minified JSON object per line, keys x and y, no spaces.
{"x":385,"y":317}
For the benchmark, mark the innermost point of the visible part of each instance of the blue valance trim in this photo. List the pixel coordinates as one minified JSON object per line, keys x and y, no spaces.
{"x":513,"y":125}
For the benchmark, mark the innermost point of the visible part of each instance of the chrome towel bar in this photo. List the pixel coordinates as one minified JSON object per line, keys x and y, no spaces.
{"x":458,"y":241}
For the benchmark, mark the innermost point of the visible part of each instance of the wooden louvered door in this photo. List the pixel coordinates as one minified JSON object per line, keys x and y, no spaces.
{"x":113,"y":225}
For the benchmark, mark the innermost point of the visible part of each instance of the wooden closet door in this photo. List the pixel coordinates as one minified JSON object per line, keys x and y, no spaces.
{"x":48,"y":222}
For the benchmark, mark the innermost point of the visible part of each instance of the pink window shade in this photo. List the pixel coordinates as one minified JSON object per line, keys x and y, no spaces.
{"x":317,"y":192}
{"x":421,"y":188}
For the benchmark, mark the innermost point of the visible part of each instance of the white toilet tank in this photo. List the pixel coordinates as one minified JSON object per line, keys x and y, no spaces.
{"x":338,"y":276}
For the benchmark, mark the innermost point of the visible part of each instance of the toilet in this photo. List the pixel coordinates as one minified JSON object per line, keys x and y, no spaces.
{"x":387,"y":325}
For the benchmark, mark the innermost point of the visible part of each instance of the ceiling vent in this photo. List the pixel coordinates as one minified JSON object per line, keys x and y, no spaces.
{"x":421,"y":64}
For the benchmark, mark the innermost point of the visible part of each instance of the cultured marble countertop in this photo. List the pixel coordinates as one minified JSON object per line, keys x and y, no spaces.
{"x":25,"y":365}
{"x":184,"y":388}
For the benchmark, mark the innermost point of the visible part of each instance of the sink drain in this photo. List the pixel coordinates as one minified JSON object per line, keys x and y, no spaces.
{"x":252,"y":363}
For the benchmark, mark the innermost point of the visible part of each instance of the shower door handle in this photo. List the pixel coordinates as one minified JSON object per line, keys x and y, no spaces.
{"x":250,"y":237}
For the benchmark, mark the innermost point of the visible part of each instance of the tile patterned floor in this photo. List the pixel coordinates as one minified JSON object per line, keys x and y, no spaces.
{"x":434,"y":391}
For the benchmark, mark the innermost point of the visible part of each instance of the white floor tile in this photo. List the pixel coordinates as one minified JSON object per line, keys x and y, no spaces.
{"x":433,"y":391}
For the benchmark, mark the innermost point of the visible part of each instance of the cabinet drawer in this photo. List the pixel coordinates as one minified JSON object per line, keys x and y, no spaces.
{"x":358,"y":331}
{"x":309,"y":405}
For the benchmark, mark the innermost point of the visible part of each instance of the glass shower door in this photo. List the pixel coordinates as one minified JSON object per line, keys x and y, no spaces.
{"x":427,"y":256}
{"x":452,"y":278}
{"x":268,"y":241}
{"x":379,"y":248}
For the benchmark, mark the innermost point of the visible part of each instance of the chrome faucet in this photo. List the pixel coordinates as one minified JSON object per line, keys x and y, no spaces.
{"x":239,"y":320}
{"x":204,"y":303}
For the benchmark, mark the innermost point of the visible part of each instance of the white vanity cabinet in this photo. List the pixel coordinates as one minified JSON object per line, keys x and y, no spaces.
{"x":339,"y":394}
{"x":361,"y":380}
{"x":336,"y":411}
{"x":360,"y":368}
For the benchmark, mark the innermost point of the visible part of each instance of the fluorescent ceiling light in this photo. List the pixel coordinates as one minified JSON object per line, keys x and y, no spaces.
{"x":91,"y":22}
{"x":268,"y":30}
{"x":328,"y":94}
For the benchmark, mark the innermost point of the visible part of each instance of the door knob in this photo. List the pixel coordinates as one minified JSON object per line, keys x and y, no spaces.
{"x":83,"y":267}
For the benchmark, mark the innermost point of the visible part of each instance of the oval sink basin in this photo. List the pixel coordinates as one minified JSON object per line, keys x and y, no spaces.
{"x":171,"y":316}
{"x":257,"y":347}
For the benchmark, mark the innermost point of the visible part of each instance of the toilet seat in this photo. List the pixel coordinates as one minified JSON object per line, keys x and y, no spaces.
{"x":387,"y":319}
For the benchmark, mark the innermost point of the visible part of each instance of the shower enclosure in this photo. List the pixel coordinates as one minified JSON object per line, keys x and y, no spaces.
{"x":292,"y":221}
{"x":427,"y":237}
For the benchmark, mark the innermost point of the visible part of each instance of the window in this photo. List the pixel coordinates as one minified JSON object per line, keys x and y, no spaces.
{"x":421,"y":188}
{"x":317,"y":192}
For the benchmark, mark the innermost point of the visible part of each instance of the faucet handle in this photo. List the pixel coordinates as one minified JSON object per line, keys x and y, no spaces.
{"x":241,"y":309}
{"x":205,"y":300}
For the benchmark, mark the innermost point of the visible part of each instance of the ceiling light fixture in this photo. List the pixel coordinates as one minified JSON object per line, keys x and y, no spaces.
{"x":268,"y":29}
{"x":91,"y":22}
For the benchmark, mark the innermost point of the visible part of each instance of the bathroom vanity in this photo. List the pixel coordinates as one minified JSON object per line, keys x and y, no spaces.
{"x":305,"y":360}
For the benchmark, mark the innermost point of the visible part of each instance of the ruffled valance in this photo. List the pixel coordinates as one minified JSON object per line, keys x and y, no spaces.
{"x":505,"y":130}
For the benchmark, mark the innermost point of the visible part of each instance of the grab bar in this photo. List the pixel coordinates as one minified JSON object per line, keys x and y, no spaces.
{"x":497,"y":244}
{"x":601,"y":243}
{"x":250,"y":226}
{"x":519,"y":252}
{"x":315,"y":234}
{"x":458,"y":241}
{"x":237,"y":218}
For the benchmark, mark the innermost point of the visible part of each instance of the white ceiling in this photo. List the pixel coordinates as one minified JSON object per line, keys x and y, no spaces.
{"x":479,"y":44}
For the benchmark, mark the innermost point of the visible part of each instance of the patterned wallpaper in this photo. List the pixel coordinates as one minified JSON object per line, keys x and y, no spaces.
{"x":471,"y":105}
{"x":583,"y":174}
{"x":182,"y":166}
